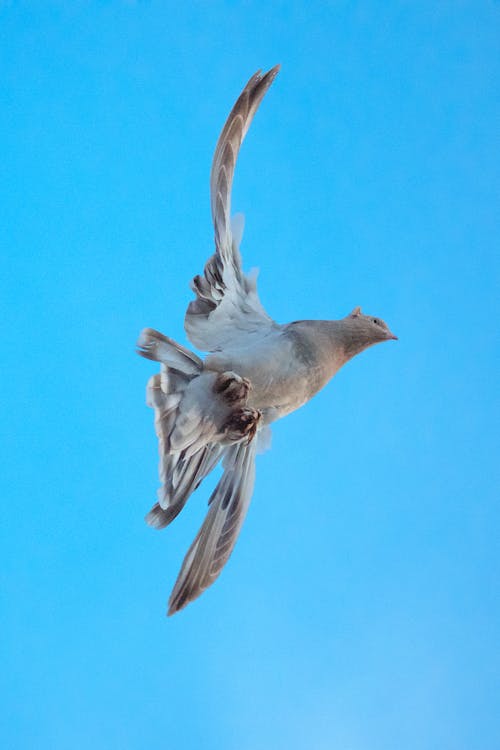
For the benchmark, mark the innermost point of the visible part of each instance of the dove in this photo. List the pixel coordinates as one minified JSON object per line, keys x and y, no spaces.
{"x":220,"y":408}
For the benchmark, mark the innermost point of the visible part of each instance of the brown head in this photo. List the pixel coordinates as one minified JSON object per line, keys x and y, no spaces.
{"x":361,"y":331}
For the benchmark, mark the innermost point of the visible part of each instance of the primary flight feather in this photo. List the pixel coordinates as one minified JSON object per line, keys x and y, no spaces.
{"x":220,"y":408}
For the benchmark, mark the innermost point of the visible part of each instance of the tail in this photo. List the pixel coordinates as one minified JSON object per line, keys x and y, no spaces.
{"x":186,"y":455}
{"x":154,"y":345}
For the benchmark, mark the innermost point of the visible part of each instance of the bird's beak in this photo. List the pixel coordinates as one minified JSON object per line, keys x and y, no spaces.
{"x":393,"y":337}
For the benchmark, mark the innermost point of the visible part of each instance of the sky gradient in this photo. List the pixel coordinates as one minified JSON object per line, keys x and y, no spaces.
{"x":360,"y":609}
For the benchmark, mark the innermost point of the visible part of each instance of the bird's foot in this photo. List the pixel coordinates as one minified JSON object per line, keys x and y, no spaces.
{"x":232,"y":387}
{"x":242,"y":423}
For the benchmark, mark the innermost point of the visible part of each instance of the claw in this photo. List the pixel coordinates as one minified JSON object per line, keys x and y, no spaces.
{"x":242,"y":423}
{"x":232,"y":387}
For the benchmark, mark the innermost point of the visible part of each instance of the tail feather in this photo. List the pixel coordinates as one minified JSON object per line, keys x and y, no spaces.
{"x":184,"y":476}
{"x":186,"y":451}
{"x":154,"y":345}
{"x":187,"y":422}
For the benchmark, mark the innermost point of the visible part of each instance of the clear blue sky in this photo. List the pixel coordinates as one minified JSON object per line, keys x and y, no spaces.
{"x":360,"y":609}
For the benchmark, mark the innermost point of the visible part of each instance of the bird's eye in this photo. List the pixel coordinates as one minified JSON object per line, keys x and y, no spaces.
{"x":376,"y":321}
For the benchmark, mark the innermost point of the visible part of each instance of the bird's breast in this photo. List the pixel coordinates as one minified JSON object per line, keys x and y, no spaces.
{"x":282,"y":376}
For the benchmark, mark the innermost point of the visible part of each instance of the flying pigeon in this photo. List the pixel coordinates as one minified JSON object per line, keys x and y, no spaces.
{"x":219,"y":409}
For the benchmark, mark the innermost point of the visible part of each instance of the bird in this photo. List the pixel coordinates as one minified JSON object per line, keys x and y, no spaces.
{"x":220,"y":408}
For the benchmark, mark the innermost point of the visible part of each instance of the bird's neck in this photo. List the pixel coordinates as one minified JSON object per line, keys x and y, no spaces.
{"x":345,"y":336}
{"x":337,"y":341}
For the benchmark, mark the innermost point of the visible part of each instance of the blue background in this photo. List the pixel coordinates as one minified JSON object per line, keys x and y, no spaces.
{"x":360,"y":609}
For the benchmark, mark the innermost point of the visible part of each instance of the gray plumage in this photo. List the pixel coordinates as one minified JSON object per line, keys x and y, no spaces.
{"x":257,"y":371}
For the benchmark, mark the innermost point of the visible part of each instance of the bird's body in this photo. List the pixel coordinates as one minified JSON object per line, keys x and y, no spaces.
{"x":287,"y":368}
{"x":257,"y":371}
{"x":283,"y":372}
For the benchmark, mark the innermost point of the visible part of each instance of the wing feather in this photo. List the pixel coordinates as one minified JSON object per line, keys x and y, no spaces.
{"x":216,"y":539}
{"x":227,"y":306}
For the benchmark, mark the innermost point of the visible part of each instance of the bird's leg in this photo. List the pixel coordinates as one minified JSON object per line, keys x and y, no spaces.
{"x":232,"y":388}
{"x":242,"y":423}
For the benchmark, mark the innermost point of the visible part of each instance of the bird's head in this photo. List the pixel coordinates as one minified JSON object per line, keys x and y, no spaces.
{"x":362,"y":331}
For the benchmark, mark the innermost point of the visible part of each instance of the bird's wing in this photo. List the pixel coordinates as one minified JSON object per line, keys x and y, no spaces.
{"x":227,"y":308}
{"x":215,"y":540}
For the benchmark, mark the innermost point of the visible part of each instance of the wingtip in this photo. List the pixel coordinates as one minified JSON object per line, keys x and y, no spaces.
{"x":177,"y":601}
{"x":271,"y":74}
{"x":268,"y":74}
{"x":174,"y":607}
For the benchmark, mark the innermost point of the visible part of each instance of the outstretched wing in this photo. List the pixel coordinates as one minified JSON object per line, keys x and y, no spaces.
{"x":215,"y":540}
{"x":227,"y":308}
